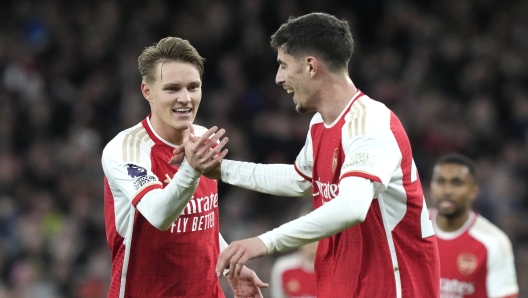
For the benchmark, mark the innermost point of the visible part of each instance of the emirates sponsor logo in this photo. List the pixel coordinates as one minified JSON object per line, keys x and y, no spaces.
{"x":466,"y":263}
{"x":453,"y":288}
{"x":327,"y":190}
{"x":201,"y":213}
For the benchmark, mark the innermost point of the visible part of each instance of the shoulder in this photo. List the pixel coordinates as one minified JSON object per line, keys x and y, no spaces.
{"x":126,"y":144}
{"x":366,"y":117}
{"x":490,"y":235}
{"x":287,"y":262}
{"x":199,"y":130}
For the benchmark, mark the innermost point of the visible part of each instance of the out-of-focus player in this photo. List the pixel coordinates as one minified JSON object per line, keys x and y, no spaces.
{"x":476,"y":258}
{"x":292,"y":275}
{"x":162,"y":220}
{"x":376,"y":239}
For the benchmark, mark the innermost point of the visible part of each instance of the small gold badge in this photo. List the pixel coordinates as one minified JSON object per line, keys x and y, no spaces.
{"x":467,"y":263}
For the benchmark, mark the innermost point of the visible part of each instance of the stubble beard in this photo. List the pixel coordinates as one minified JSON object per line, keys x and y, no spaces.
{"x":300,"y":109}
{"x":452,"y":214}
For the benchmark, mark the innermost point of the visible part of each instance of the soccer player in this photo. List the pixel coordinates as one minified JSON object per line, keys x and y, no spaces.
{"x":376,"y":239}
{"x":476,"y":258}
{"x":162,"y":220}
{"x":293,"y":276}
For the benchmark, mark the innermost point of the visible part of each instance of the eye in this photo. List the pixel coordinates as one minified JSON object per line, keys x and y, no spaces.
{"x":172,"y":89}
{"x":194,"y":87}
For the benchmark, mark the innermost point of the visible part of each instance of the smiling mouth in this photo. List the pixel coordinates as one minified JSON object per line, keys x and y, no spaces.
{"x":182,"y":110}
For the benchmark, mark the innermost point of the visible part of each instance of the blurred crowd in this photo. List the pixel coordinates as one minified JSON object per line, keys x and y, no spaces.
{"x":452,"y":70}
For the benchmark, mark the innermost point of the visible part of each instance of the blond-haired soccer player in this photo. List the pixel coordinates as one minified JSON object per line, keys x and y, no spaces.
{"x":376,"y":239}
{"x":476,"y":257}
{"x":162,"y":220}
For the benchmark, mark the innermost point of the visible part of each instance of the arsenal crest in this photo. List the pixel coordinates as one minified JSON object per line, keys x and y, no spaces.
{"x":293,"y":286}
{"x":466,"y":263}
{"x":334,"y":160}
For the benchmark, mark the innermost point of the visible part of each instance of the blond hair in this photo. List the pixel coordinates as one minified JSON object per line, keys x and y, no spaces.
{"x":168,"y":49}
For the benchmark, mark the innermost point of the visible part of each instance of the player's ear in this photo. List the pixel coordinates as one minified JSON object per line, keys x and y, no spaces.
{"x":147,"y":92}
{"x":312,"y":65}
{"x":474,"y":192}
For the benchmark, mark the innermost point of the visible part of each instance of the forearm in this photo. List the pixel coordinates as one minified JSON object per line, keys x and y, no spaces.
{"x":274,"y":179}
{"x":161,"y":207}
{"x":344,"y":211}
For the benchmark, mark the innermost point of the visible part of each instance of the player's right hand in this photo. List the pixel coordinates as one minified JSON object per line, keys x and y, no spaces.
{"x":205,"y":153}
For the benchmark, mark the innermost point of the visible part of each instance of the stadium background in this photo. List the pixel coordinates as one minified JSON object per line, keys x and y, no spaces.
{"x":452,"y":70}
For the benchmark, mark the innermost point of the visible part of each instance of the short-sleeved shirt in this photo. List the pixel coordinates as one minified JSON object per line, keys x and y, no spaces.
{"x":293,"y":277}
{"x":476,"y":260}
{"x":148,"y":262}
{"x":393,"y":252}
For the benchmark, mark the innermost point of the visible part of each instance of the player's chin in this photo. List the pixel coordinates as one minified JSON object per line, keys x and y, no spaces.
{"x":448,"y":212}
{"x":180,"y":125}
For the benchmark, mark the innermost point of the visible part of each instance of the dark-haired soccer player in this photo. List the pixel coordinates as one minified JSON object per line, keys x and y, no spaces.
{"x":162,"y":220}
{"x":476,"y":258}
{"x":376,"y":239}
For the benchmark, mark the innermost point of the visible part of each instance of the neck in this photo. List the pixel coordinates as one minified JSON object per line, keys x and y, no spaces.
{"x":334,"y":99}
{"x":167,"y":133}
{"x":451,"y":224}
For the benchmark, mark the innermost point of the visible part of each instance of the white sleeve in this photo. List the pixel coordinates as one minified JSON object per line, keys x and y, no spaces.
{"x":223,"y":244}
{"x":161,"y":207}
{"x":501,"y":280}
{"x":347,"y":209}
{"x":274,"y":179}
{"x":373,"y":157}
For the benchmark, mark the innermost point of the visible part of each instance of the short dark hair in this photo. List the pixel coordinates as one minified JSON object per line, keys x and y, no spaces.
{"x":168,"y":49}
{"x":318,"y":34}
{"x":459,"y":159}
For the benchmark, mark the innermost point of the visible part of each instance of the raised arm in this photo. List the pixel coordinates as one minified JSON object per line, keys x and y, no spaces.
{"x":161,"y":206}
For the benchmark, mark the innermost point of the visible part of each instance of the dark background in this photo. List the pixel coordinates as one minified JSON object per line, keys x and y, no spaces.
{"x":452,"y":70}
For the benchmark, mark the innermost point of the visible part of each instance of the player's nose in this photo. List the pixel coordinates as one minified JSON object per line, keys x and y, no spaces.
{"x":279,"y":78}
{"x":185,"y":96}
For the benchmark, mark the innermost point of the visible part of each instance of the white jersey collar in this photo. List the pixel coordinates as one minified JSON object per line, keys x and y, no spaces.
{"x":452,"y":235}
{"x":347,"y":107}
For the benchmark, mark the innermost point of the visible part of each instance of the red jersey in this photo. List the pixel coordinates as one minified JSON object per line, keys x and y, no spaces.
{"x":393,"y":252}
{"x":293,"y":277}
{"x":476,"y":261}
{"x":148,"y":262}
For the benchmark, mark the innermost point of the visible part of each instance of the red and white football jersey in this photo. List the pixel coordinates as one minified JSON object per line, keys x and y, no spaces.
{"x":393,"y":252}
{"x":476,"y":261}
{"x":148,"y":262}
{"x":293,"y":277}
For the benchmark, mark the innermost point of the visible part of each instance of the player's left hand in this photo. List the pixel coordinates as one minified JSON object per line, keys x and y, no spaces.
{"x":237,"y":254}
{"x":247,"y":284}
{"x":177,"y":158}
